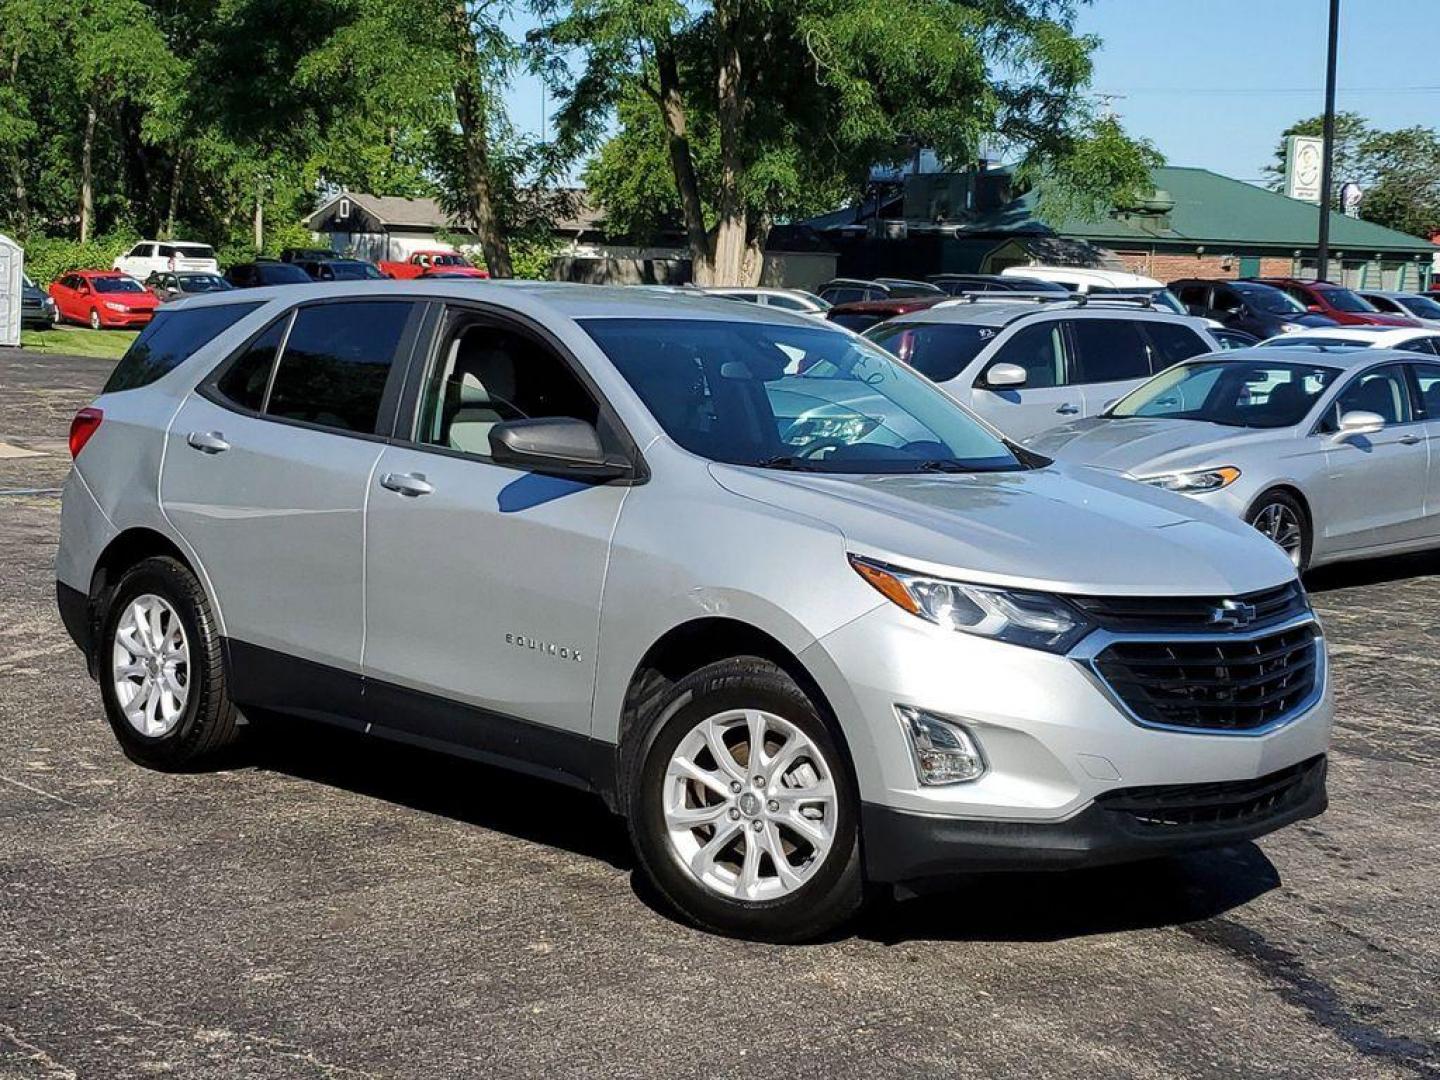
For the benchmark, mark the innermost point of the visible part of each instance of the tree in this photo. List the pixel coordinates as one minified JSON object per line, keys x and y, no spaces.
{"x":764,"y":109}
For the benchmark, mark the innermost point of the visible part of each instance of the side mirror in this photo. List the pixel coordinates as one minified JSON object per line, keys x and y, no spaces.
{"x":557,"y":444}
{"x":1005,"y":376}
{"x":1354,"y":424}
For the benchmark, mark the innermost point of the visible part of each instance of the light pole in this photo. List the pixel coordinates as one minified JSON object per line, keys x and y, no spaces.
{"x":1327,"y":160}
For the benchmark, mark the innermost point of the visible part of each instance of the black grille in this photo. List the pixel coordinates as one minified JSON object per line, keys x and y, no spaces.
{"x":1207,"y":806}
{"x":1214,"y":685}
{"x":1152,"y":613}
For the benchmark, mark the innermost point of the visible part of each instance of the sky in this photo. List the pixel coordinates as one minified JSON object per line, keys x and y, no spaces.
{"x":1212,"y":83}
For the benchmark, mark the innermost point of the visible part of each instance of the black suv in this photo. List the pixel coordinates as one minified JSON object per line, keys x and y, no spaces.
{"x":1251,"y":306}
{"x":849,"y":290}
{"x":256,"y":275}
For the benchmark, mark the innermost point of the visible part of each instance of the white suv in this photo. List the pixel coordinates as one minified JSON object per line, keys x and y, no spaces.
{"x":778,"y":600}
{"x":164,"y":257}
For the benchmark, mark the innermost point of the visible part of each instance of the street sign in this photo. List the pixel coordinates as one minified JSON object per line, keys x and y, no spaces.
{"x":1303,"y":159}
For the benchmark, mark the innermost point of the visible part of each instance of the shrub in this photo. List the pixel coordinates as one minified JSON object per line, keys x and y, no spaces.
{"x":46,"y":257}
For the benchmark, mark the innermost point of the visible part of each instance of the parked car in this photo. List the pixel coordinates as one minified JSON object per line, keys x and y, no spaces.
{"x":797,"y":300}
{"x":1082,"y":279}
{"x":850,"y":290}
{"x":340,"y":270}
{"x":861,"y":315}
{"x":958,"y":284}
{"x":102,"y":299}
{"x":422,"y":262}
{"x":304,"y":254}
{"x":37,"y":310}
{"x":859,"y":667}
{"x":1418,"y":340}
{"x":1421,"y":308}
{"x":265,"y":272}
{"x":1233,"y":339}
{"x":156,"y":256}
{"x":168,"y":286}
{"x":1026,"y":366}
{"x":1343,"y":305}
{"x":1329,"y":455}
{"x":1262,"y":310}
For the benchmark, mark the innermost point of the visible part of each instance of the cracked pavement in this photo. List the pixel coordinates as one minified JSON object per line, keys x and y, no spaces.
{"x":328,"y":907}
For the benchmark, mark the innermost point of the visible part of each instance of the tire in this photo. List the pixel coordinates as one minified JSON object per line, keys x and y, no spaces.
{"x":173,"y":731}
{"x":1281,"y":517}
{"x":95,"y":323}
{"x":734,"y":894}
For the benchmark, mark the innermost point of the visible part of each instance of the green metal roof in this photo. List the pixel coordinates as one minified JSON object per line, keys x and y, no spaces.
{"x":1211,"y":209}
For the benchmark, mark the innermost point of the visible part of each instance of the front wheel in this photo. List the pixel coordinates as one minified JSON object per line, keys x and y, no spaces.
{"x":1279,"y":516}
{"x":743,"y":808}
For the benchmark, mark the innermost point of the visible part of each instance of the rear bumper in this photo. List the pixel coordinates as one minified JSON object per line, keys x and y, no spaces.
{"x":1124,"y":825}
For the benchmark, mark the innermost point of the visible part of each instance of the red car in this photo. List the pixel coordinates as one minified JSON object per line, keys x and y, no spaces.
{"x":1345,"y":307}
{"x":432,"y":263}
{"x":860,"y":315}
{"x":102,"y":298}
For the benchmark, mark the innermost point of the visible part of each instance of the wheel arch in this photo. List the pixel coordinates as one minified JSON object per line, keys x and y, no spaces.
{"x":1287,"y":487}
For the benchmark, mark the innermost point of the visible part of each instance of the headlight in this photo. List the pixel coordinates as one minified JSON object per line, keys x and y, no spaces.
{"x":1021,"y":618}
{"x":115,"y":307}
{"x":1195,"y":481}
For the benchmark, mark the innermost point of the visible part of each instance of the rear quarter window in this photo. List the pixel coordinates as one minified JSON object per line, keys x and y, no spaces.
{"x":172,"y":338}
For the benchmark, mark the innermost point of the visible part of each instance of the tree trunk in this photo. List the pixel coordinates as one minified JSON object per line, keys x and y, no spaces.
{"x":259,"y":216}
{"x":471,"y":114}
{"x":17,"y":164}
{"x":87,"y":185}
{"x":732,"y":229}
{"x":682,"y":163}
{"x":173,"y":207}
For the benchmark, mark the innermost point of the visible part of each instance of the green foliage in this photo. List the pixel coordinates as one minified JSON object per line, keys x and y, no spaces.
{"x":46,"y":258}
{"x":1100,"y":169}
{"x":533,"y":258}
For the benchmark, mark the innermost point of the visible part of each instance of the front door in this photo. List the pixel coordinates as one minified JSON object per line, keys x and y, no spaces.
{"x":266,"y":472}
{"x":1375,"y":494}
{"x":484,"y":581}
{"x":1047,"y":399}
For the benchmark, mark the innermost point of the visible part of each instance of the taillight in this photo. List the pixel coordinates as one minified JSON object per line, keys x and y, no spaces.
{"x":85,"y":424}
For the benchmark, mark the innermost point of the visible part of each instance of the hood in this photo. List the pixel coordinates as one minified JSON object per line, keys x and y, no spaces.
{"x":1142,"y":445}
{"x":1062,"y":528}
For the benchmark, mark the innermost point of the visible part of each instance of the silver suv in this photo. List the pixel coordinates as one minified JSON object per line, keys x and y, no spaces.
{"x":796,"y":615}
{"x":1028,"y":364}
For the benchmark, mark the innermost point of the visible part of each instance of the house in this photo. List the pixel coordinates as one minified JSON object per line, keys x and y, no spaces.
{"x":1194,"y":223}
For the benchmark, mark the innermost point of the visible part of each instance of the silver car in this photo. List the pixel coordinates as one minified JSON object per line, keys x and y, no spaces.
{"x":1333,"y":454}
{"x":769,"y":593}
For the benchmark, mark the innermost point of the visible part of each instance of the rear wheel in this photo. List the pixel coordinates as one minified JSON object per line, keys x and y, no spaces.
{"x":743,"y":808}
{"x":95,"y":323}
{"x":162,"y":677}
{"x":1279,"y":516}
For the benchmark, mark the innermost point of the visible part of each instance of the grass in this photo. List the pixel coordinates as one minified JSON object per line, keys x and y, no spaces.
{"x":78,"y":341}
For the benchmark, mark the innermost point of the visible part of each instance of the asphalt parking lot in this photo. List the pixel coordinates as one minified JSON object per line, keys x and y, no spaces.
{"x":328,"y":907}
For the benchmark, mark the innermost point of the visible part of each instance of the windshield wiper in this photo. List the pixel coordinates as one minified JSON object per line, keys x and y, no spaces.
{"x":943,"y":465}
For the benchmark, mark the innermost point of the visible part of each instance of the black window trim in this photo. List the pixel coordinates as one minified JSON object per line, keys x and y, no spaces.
{"x":1007,"y":333}
{"x":423,"y":360}
{"x":385,"y":419}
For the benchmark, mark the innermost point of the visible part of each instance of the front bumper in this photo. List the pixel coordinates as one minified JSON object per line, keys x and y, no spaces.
{"x":117,"y":319}
{"x":1123,"y":825}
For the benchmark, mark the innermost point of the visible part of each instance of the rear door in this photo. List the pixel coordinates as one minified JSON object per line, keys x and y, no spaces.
{"x":1112,"y":356}
{"x":1047,"y":398}
{"x":266,"y":472}
{"x":1426,"y":387}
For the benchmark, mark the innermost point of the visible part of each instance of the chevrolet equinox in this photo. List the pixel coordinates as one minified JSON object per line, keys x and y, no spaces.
{"x":795,"y":614}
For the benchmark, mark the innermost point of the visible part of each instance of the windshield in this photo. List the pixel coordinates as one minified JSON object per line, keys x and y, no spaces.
{"x":281,"y":274}
{"x":198,"y":283}
{"x":1269,"y":300}
{"x":1345,"y":300}
{"x":117,"y":285}
{"x":788,"y":397}
{"x":448,"y":260}
{"x":937,"y":350}
{"x":354,"y":271}
{"x":1236,"y":393}
{"x":1422,"y":306}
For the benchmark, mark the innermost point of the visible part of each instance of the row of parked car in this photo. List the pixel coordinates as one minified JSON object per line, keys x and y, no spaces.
{"x":153,"y":273}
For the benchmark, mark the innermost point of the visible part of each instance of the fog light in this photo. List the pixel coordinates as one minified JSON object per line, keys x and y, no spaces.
{"x":943,"y":751}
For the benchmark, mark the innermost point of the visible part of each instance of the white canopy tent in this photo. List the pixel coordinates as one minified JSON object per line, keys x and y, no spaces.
{"x":12,"y":283}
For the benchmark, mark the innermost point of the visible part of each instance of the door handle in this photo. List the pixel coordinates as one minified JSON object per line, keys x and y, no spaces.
{"x":208,"y":442}
{"x":412,"y":484}
{"x":1067,"y":409}
{"x":1410,"y":440}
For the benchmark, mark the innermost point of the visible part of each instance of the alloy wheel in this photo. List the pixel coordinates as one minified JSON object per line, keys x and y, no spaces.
{"x":150,"y":666}
{"x":750,"y":805}
{"x":1281,"y":524}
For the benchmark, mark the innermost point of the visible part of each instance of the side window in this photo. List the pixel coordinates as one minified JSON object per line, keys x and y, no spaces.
{"x":1227,"y":300}
{"x":1382,"y":390}
{"x":1384,"y":303}
{"x":336,"y":363}
{"x":1170,"y":343}
{"x":787,"y":303}
{"x":1040,"y":350}
{"x":167,"y":251}
{"x":172,"y":338}
{"x":1109,"y":350}
{"x":1421,"y":345}
{"x":1427,"y":381}
{"x":1193,"y":296}
{"x":1299,"y":294}
{"x":843,"y":295}
{"x":486,"y":375}
{"x":247,"y":376}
